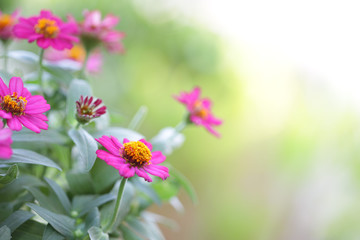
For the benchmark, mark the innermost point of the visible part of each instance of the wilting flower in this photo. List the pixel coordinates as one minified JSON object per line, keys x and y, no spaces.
{"x":19,"y":107}
{"x":76,"y":53}
{"x":47,"y":30}
{"x":94,"y":31}
{"x":5,"y":141}
{"x":132,"y":157}
{"x":7,"y":23}
{"x":86,"y":109}
{"x":199,"y":110}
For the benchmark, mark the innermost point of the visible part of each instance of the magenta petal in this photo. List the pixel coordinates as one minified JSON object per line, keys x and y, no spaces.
{"x":5,"y":136}
{"x":160,"y":171}
{"x":14,"y":124}
{"x":4,"y":90}
{"x":126,"y":140}
{"x":5,"y":152}
{"x":110,"y":159}
{"x":5,"y":115}
{"x":30,"y":125}
{"x":157,"y":157}
{"x":109,"y":145}
{"x":141,"y":173}
{"x":127,"y":171}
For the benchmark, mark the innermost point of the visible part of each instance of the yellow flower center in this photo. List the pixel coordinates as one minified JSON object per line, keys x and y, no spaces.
{"x":13,"y":104}
{"x":77,"y":53}
{"x":47,"y":27}
{"x":136,"y":153}
{"x":199,"y":110}
{"x":5,"y":20}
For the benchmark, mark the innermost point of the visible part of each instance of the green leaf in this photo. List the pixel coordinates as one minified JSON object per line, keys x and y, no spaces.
{"x":104,"y":176}
{"x":49,"y":202}
{"x":10,"y":175}
{"x":30,"y":230}
{"x":119,"y":133}
{"x":147,"y":230}
{"x":185,"y":183}
{"x":77,"y":88}
{"x":5,"y":233}
{"x":59,"y":74}
{"x":49,"y":136}
{"x":51,"y":234}
{"x":30,"y":157}
{"x":138,"y":118}
{"x":87,"y":207}
{"x":92,"y":219}
{"x":129,"y":233}
{"x":146,"y":188}
{"x":60,"y":223}
{"x":167,"y":140}
{"x":16,"y":219}
{"x":24,"y":56}
{"x":61,"y":195}
{"x":5,"y":76}
{"x":96,"y":233}
{"x":87,"y":147}
{"x":80,"y":183}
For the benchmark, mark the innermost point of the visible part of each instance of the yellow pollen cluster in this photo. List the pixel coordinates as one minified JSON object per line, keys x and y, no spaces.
{"x":199,"y":110}
{"x":13,"y":104}
{"x":47,"y":27}
{"x":77,"y":53}
{"x":136,"y":153}
{"x":5,"y":20}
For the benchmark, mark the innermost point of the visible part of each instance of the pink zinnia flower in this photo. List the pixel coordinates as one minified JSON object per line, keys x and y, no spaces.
{"x":19,"y":107}
{"x":47,"y":30}
{"x":132,"y":157}
{"x":77,"y":53}
{"x":7,"y":23}
{"x":5,"y":142}
{"x":93,"y":30}
{"x":199,"y":110}
{"x":86,"y":109}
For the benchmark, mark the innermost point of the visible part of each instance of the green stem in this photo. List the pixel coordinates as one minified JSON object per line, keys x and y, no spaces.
{"x":5,"y":56}
{"x":83,"y":67}
{"x":117,"y":205}
{"x":181,"y":126}
{"x":78,"y":125}
{"x":41,"y":68}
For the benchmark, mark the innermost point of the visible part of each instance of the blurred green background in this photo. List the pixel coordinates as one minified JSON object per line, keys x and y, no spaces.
{"x":287,"y":165}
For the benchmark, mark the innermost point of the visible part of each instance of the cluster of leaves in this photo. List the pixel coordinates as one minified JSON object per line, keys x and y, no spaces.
{"x":54,"y":187}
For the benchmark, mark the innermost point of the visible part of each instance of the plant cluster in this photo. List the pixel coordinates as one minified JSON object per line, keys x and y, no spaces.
{"x":65,"y":172}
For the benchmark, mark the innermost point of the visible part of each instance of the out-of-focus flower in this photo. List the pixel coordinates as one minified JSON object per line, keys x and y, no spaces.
{"x":199,"y":110}
{"x":47,"y":30}
{"x":76,"y":53}
{"x":19,"y":107}
{"x":94,"y":31}
{"x":86,"y":109}
{"x":5,"y":142}
{"x":132,"y":157}
{"x":7,"y":23}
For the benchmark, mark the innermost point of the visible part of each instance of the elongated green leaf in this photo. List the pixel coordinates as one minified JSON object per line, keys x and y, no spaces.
{"x":80,"y":183}
{"x":185,"y":183}
{"x":129,"y":234}
{"x":51,"y":234}
{"x":167,"y":140}
{"x":77,"y":88}
{"x":92,"y":219}
{"x":96,"y":233}
{"x":99,"y":171}
{"x":146,"y":188}
{"x":5,"y":233}
{"x":138,"y":118}
{"x":95,"y":203}
{"x":58,"y":74}
{"x":16,"y":219}
{"x":10,"y":175}
{"x":60,"y":223}
{"x":49,"y":136}
{"x":146,"y":230}
{"x":119,"y":133}
{"x":86,"y":145}
{"x":49,"y":202}
{"x":30,"y":230}
{"x":24,"y":56}
{"x":30,"y":157}
{"x":64,"y":200}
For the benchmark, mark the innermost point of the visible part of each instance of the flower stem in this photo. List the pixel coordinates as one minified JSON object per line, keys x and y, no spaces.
{"x":5,"y":45}
{"x":78,"y":125}
{"x":181,"y":126}
{"x":117,"y":205}
{"x":83,"y":67}
{"x":41,"y":68}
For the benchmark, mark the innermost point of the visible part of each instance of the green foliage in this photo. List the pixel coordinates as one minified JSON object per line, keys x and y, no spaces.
{"x":10,"y":175}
